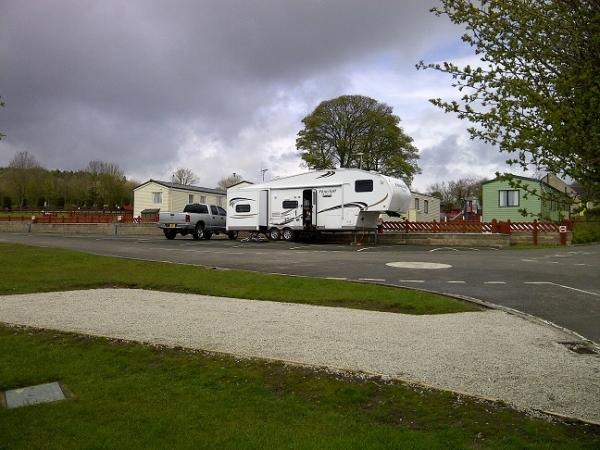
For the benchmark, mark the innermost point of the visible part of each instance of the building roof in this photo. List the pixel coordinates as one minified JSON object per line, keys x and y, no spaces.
{"x":240,"y":182}
{"x":183,"y":187}
{"x":532,"y":180}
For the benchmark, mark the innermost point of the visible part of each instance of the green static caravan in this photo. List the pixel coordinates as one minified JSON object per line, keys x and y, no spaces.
{"x":503,"y":202}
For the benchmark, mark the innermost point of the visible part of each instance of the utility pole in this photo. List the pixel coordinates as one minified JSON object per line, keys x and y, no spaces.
{"x":263,"y":173}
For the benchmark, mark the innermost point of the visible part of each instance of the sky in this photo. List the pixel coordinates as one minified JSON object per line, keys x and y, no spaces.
{"x":221,"y":86}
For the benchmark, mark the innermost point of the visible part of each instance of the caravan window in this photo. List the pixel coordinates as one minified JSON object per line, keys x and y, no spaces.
{"x":242,"y":208}
{"x":290,"y":204}
{"x":508,"y":198}
{"x":363,"y":185}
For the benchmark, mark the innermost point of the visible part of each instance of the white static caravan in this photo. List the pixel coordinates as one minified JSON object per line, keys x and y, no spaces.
{"x":325,"y":200}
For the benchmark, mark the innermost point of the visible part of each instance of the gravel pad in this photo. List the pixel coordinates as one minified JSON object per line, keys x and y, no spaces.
{"x":490,"y":353}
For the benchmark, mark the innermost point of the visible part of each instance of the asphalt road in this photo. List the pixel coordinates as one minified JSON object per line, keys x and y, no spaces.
{"x":560,"y":285}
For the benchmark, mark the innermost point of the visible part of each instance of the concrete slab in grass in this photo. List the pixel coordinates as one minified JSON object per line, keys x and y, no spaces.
{"x":42,"y":393}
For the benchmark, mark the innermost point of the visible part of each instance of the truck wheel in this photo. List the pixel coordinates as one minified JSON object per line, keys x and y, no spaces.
{"x":207,"y":234}
{"x":288,"y":234}
{"x":198,"y":231}
{"x":274,"y":234}
{"x":170,"y":234}
{"x":232,"y":235}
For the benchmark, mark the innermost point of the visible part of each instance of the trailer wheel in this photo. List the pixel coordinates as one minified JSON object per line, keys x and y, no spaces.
{"x":274,"y":234}
{"x":170,"y":234}
{"x":198,"y":231}
{"x":232,"y":235}
{"x":288,"y":234}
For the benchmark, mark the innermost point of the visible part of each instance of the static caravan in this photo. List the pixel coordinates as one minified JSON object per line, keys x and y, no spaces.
{"x":325,"y":200}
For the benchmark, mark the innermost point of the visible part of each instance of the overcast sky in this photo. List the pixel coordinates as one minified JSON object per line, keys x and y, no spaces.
{"x":220,"y":86}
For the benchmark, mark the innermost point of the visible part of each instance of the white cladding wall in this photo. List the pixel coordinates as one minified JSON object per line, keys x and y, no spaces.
{"x":171,"y":199}
{"x":423,"y":208}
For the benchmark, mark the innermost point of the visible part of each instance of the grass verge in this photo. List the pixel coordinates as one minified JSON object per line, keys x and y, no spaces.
{"x":585,"y":232}
{"x":34,"y":269}
{"x":130,"y":395}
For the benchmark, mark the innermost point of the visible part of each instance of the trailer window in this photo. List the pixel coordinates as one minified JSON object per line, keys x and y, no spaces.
{"x":290,"y":204}
{"x":363,"y":186}
{"x":242,"y":208}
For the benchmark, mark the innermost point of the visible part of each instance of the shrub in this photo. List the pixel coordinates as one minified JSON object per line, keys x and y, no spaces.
{"x":586,"y":231}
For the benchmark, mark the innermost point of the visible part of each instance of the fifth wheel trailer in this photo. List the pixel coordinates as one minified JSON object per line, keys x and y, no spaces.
{"x":325,"y":200}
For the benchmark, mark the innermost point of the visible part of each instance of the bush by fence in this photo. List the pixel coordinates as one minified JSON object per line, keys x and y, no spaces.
{"x":586,"y":231}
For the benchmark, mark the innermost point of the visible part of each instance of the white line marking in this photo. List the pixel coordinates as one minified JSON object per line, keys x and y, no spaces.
{"x":494,"y":282}
{"x":457,"y":282}
{"x":418,"y":265}
{"x":595,"y":294}
{"x":443,"y":248}
{"x":336,"y":278}
{"x":529,"y":260}
{"x":365,"y":248}
{"x":411,"y":281}
{"x":581,"y":264}
{"x":473,"y":248}
{"x":371,"y":279}
{"x":552,"y":262}
{"x":300,"y":246}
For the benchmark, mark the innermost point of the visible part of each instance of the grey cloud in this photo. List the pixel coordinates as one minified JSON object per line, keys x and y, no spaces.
{"x":452,"y":159}
{"x":118,"y":80}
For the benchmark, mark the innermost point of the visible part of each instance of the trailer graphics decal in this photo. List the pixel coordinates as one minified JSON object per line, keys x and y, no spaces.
{"x":360,"y":205}
{"x":380,"y":201}
{"x":235,"y":200}
{"x":327,"y":174}
{"x":327,"y":192}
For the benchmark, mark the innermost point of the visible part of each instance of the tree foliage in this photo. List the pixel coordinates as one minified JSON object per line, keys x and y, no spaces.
{"x":353,"y":131}
{"x":26,"y":184}
{"x":228,"y":181}
{"x":184,"y":176}
{"x":537,"y":92}
{"x":452,"y":193}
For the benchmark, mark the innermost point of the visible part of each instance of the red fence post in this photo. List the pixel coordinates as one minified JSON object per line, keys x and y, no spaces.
{"x":535,"y":232}
{"x":406,"y":225}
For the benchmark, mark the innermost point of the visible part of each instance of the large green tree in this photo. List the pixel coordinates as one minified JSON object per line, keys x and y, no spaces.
{"x":357,"y":131}
{"x":536,"y":93}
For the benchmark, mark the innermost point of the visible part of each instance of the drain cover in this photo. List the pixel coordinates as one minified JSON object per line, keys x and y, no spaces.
{"x":42,"y":393}
{"x":582,"y":348}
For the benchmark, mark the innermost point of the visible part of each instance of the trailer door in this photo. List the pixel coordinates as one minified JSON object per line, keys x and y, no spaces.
{"x":314,"y":207}
{"x":263,"y":208}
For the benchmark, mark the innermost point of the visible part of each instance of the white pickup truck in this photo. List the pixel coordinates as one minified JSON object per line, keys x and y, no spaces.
{"x":199,"y":220}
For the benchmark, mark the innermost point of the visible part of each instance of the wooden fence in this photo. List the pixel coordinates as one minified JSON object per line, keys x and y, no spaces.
{"x":78,"y":217}
{"x":494,"y":226}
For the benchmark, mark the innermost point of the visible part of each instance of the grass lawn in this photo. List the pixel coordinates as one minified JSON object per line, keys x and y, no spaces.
{"x":35,"y":269}
{"x":136,"y":396}
{"x":128,"y":395}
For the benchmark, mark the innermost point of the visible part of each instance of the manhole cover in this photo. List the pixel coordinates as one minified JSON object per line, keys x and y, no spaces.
{"x":42,"y":393}
{"x":418,"y":265}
